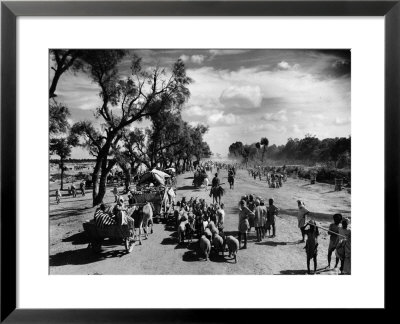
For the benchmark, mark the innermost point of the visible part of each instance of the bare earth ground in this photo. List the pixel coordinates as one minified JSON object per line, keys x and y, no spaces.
{"x":161,"y":254}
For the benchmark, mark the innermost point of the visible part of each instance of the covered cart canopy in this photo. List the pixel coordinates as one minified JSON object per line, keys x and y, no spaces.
{"x":154,"y":176}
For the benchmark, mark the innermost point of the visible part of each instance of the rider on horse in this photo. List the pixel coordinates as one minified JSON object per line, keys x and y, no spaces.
{"x":215,"y":183}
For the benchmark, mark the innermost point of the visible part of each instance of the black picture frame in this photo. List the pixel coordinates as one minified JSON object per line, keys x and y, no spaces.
{"x":9,"y":13}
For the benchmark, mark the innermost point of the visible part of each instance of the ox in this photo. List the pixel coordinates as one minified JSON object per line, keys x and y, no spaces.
{"x":142,"y":216}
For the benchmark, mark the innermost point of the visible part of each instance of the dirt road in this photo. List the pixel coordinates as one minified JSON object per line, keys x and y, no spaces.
{"x":161,"y":254}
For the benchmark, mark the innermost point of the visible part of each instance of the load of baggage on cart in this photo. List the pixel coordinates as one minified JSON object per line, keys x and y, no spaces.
{"x":152,"y":187}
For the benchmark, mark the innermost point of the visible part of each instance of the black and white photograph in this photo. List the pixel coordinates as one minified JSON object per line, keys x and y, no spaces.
{"x":199,"y":161}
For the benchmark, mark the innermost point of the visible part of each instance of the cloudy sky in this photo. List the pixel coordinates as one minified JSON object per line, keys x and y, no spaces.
{"x":244,"y":95}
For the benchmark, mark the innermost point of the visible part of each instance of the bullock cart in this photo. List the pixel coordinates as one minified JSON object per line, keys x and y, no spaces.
{"x":97,"y":235}
{"x":158,"y":196}
{"x":198,"y":178}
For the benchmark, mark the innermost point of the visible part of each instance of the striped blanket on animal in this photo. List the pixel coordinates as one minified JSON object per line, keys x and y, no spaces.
{"x":103,"y":219}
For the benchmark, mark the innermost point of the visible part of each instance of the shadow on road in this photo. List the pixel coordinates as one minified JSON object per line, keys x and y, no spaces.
{"x":77,"y":239}
{"x":185,"y":188}
{"x":190,"y":256}
{"x":58,"y":214}
{"x":293,"y":272}
{"x":216,"y":257}
{"x":170,"y":228}
{"x":303,"y":272}
{"x":171,"y":240}
{"x":82,"y":256}
{"x":272,"y":243}
{"x":189,"y":178}
{"x":180,"y":246}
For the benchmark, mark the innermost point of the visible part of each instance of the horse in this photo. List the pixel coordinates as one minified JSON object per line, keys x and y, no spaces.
{"x":231,"y":181}
{"x":217,"y":193}
{"x":142,"y":216}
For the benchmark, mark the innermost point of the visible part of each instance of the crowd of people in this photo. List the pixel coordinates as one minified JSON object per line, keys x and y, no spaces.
{"x":254,"y":213}
{"x":275,"y":177}
{"x":205,"y":221}
{"x":72,"y":190}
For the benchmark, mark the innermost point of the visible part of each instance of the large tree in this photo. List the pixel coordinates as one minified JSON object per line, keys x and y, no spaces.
{"x":236,"y":150}
{"x":61,"y":61}
{"x":151,"y":146}
{"x":62,"y":147}
{"x":58,"y":118}
{"x":61,"y":142}
{"x":145,"y":93}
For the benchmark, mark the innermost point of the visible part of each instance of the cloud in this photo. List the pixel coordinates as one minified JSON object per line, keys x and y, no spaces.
{"x":279,"y":116}
{"x":297,"y":113}
{"x":194,"y":123}
{"x":221,"y":119}
{"x":197,"y":59}
{"x":215,"y":52}
{"x":184,"y":58}
{"x":341,"y":67}
{"x":241,"y":97}
{"x":268,"y":127}
{"x":286,"y":91}
{"x":318,"y":116}
{"x":196,"y":111}
{"x":342,"y":121}
{"x":283,"y":65}
{"x":336,"y":68}
{"x":295,"y":128}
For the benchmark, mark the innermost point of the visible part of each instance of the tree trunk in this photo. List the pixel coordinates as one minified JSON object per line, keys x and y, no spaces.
{"x":95,"y":180}
{"x":53,"y":86}
{"x":102,"y":188}
{"x":101,"y":179}
{"x":62,"y":174}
